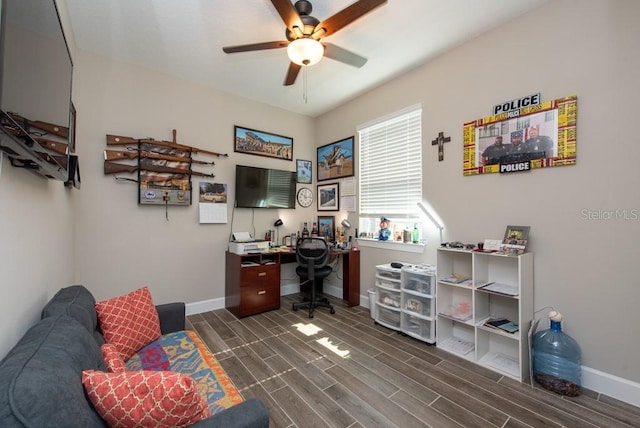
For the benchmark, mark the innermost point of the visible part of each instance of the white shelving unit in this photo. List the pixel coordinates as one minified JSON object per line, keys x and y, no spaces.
{"x":405,"y":300}
{"x":464,"y":306}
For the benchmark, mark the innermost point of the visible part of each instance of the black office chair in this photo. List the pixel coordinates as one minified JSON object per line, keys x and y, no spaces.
{"x":312,"y":255}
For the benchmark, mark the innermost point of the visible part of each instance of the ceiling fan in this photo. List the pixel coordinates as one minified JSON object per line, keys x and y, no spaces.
{"x":304,"y":32}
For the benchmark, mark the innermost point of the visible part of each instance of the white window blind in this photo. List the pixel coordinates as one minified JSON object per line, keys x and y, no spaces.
{"x":391,"y":165}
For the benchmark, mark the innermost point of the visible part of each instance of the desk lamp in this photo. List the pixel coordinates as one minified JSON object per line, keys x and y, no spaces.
{"x":431,"y":217}
{"x":345,"y":223}
{"x":277,"y":225}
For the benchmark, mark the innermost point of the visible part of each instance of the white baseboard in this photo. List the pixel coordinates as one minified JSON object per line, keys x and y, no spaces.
{"x":592,"y":379}
{"x":204,"y":306}
{"x":611,"y":386}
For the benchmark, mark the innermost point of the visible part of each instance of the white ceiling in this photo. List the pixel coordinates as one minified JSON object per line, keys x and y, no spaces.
{"x":184,"y":38}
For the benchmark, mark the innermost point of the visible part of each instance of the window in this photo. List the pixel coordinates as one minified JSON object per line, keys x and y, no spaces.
{"x":391,"y":171}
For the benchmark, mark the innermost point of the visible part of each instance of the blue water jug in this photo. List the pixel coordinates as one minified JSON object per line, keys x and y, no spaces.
{"x":557,"y":359}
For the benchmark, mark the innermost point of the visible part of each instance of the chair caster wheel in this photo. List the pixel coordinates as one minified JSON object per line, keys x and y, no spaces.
{"x":310,"y":315}
{"x":294,"y":307}
{"x":332,"y":311}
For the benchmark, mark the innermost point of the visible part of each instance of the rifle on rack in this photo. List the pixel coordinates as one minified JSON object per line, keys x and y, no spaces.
{"x":60,"y":131}
{"x":56,"y":160}
{"x":55,"y":146}
{"x":118,"y":140}
{"x":110,"y":155}
{"x":115,"y":168}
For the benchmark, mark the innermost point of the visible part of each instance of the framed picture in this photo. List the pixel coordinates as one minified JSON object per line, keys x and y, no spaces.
{"x":336,"y":160}
{"x":538,"y":136}
{"x":327,"y":227}
{"x":328,"y":197}
{"x":303,"y":171}
{"x":262,"y":143}
{"x":515,"y":239}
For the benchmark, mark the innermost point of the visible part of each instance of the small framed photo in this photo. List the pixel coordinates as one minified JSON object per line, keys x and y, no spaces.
{"x":326,"y":227}
{"x":262,"y":143}
{"x":515,"y":239}
{"x":336,"y":160}
{"x":328,"y":197}
{"x":303,"y":171}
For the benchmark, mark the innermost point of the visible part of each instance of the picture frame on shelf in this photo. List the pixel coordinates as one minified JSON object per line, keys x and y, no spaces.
{"x":328,"y":197}
{"x":303,"y":171}
{"x":336,"y":160}
{"x":260,"y":143}
{"x":515,"y":239}
{"x":327,"y":227}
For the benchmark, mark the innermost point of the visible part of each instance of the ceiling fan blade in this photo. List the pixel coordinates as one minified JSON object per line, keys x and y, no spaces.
{"x":288,"y":13}
{"x":292,"y":74}
{"x":340,"y":54}
{"x":347,"y":15}
{"x":256,"y":46}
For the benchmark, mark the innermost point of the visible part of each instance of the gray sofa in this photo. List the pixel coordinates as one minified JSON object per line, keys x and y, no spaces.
{"x":40,"y":378}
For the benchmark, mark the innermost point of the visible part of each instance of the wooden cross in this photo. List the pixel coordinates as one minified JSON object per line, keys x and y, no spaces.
{"x":440,"y":142}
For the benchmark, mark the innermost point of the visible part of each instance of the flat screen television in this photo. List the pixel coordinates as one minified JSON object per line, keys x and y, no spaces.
{"x":265,"y":188}
{"x":35,"y":87}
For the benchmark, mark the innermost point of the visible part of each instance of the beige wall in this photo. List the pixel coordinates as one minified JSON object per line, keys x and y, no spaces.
{"x":587,"y":269}
{"x":121,"y":244}
{"x":99,"y":236}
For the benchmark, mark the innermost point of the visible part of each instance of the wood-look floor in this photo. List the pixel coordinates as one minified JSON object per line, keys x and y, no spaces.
{"x":342,"y":370}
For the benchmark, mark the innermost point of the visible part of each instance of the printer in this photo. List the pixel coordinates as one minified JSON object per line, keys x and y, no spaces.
{"x":244,"y":243}
{"x":249,"y":247}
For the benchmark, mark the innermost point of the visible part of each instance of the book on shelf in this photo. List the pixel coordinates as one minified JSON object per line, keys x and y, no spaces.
{"x":500,"y":288}
{"x":458,"y":279}
{"x":460,"y":311}
{"x":502,"y":324}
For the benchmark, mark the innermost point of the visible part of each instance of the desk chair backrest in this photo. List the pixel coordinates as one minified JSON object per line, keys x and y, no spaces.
{"x":312,"y":253}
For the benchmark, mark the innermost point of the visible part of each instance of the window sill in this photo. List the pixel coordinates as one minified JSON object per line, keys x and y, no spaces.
{"x":391,"y":245}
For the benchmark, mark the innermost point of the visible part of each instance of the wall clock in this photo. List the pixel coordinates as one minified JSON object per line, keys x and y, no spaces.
{"x":305,"y":197}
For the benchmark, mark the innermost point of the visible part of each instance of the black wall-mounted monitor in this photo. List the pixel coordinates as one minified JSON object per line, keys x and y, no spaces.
{"x":265,"y":188}
{"x":36,"y":74}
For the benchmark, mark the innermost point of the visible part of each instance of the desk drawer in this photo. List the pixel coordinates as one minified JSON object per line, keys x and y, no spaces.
{"x":260,"y":275}
{"x":256,"y":298}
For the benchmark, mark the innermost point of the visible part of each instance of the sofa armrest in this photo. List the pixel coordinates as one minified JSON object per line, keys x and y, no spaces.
{"x":172,"y":317}
{"x":248,"y":414}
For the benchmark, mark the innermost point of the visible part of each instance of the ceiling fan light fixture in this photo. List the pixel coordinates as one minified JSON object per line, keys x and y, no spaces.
{"x":305,"y":51}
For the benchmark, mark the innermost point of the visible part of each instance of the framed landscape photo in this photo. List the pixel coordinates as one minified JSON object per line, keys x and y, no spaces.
{"x":336,"y":160}
{"x":328,"y":197}
{"x":262,"y":143}
{"x":515,"y":239}
{"x":326,"y":227}
{"x":303,"y":171}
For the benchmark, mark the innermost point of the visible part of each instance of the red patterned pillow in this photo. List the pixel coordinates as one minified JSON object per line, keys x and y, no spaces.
{"x":145,"y":398}
{"x":112,"y":358}
{"x":129,"y":322}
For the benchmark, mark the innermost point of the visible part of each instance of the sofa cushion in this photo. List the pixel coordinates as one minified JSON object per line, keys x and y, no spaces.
{"x":145,"y":398}
{"x":41,"y":377}
{"x":77,"y":302}
{"x":112,"y":359}
{"x":130,"y":321}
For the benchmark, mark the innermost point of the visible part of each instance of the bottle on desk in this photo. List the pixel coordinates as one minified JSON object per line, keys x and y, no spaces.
{"x":314,"y":230}
{"x":305,"y":231}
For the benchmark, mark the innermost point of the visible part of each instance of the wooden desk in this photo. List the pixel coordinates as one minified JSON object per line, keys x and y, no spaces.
{"x":253,"y":289}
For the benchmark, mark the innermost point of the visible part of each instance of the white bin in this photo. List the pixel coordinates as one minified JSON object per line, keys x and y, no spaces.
{"x":372,"y":302}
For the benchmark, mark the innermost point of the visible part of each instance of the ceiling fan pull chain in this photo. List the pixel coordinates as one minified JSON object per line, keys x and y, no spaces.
{"x":304,"y":84}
